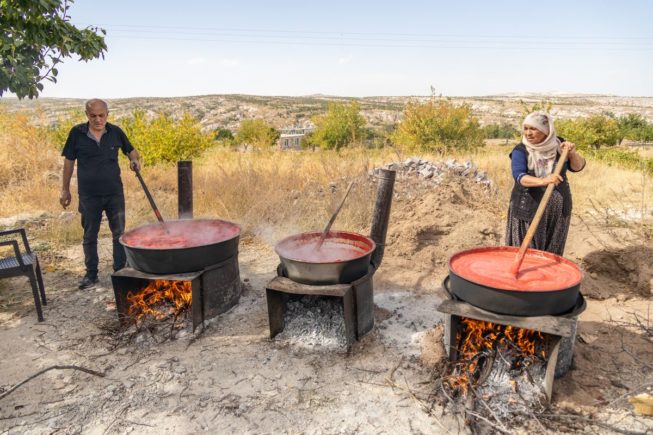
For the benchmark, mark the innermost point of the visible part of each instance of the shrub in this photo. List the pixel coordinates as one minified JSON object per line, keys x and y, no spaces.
{"x":595,"y":131}
{"x":501,"y":131}
{"x":438,"y":126}
{"x":164,"y":139}
{"x":256,"y":132}
{"x":341,"y":126}
{"x":635,"y":127}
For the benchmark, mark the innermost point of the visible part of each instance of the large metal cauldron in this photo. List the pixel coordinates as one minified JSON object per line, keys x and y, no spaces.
{"x":180,"y":246}
{"x":547,"y":284}
{"x":343,"y":258}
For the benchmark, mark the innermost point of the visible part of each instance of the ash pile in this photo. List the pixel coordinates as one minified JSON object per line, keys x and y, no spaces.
{"x":315,"y":323}
{"x":435,"y":172}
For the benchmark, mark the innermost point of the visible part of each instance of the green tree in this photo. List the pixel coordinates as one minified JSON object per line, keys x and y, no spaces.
{"x":504,"y":130}
{"x":595,"y":131}
{"x":257,"y":133}
{"x":634,"y":126}
{"x":35,"y":36}
{"x":438,"y":125}
{"x":341,"y":126}
{"x":223,"y":134}
{"x":164,"y":139}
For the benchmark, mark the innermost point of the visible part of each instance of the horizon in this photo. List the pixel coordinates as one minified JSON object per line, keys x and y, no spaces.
{"x":362,"y":49}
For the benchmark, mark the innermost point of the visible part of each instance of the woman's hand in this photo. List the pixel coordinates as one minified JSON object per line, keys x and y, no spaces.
{"x":551,"y":179}
{"x":531,"y":181}
{"x":570,"y":146}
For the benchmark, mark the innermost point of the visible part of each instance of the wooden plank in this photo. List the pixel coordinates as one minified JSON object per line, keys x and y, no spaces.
{"x":286,"y":285}
{"x":556,"y":325}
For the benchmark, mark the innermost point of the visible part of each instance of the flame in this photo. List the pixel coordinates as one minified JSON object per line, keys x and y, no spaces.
{"x":160,"y":299}
{"x":477,"y":337}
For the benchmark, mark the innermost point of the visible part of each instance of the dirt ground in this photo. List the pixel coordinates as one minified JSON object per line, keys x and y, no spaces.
{"x":229,"y":377}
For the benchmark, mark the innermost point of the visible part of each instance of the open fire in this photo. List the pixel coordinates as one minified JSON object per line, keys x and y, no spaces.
{"x":160,"y":299}
{"x":481,"y":343}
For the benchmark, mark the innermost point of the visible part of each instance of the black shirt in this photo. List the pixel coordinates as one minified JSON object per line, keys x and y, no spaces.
{"x":98,"y":173}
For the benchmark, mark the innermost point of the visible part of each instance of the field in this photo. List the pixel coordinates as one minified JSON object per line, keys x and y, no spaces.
{"x":231,"y":377}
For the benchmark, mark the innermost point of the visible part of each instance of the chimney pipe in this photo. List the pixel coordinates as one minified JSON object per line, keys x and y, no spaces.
{"x":382,"y":213}
{"x":185,"y":189}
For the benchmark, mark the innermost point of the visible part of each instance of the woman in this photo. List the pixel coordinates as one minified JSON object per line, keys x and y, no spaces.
{"x":533,"y":161}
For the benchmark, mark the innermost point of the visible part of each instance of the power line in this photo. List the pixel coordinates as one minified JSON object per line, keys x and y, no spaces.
{"x":184,"y":29}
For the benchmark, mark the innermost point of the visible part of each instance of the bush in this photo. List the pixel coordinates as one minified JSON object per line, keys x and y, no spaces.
{"x":164,"y":139}
{"x":438,"y":126}
{"x":635,"y":127}
{"x":256,"y":132}
{"x":501,"y":131}
{"x":595,"y":131}
{"x":341,"y":126}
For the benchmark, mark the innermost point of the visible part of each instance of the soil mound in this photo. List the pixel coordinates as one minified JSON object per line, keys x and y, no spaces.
{"x":432,"y":221}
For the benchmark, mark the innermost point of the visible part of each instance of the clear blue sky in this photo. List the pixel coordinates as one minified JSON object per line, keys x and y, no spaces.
{"x":363,"y":48}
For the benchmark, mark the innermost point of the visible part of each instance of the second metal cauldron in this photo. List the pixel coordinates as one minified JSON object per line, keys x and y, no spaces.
{"x":343,"y":258}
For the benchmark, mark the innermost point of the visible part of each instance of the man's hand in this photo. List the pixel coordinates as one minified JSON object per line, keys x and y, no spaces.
{"x":65,"y":198}
{"x":134,"y":165}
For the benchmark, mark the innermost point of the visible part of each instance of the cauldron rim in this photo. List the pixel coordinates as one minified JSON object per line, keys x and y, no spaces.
{"x":178,"y":248}
{"x":315,"y":234}
{"x":515,"y":249}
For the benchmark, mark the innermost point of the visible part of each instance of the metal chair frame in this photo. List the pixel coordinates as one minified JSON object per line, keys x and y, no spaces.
{"x":24,"y":264}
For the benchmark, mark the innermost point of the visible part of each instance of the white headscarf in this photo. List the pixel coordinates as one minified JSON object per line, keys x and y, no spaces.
{"x":541,"y":156}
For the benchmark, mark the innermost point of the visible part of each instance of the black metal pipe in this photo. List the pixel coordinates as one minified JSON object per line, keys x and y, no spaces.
{"x":381,"y":215}
{"x":185,"y":189}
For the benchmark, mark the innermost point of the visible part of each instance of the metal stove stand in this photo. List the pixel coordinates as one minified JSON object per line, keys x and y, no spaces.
{"x":357,"y":299}
{"x":215,"y":289}
{"x":561,"y":330}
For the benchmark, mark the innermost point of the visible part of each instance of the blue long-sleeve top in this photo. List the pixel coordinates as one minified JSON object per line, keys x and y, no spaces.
{"x":520,"y":165}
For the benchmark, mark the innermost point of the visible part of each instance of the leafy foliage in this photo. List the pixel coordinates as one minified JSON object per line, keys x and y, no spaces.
{"x":164,"y":139}
{"x":634,"y":126}
{"x":438,"y":126}
{"x":501,"y":131}
{"x":595,"y":131}
{"x":34,"y":38}
{"x":256,"y":132}
{"x":341,"y":126}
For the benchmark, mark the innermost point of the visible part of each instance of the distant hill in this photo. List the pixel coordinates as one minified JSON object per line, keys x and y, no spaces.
{"x":227,"y":111}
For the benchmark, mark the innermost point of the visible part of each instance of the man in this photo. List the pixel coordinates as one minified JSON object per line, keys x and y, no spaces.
{"x":95,"y":146}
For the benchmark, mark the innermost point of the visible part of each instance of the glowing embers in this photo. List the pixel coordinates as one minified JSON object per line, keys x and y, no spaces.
{"x":159,"y":300}
{"x":486,"y":349}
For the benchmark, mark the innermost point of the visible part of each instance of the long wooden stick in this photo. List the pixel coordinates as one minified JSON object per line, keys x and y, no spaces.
{"x":333,"y":217}
{"x":514,"y":268}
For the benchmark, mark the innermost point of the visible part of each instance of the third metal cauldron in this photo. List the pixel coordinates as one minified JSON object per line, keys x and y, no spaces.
{"x":546,"y":285}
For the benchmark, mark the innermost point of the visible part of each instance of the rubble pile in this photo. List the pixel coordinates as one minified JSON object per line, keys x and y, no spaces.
{"x":435,"y":172}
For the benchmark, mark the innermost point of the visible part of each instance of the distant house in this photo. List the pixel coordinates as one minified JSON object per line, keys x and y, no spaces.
{"x":291,"y":138}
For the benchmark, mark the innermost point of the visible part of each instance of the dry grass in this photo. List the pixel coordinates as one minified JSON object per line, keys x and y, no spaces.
{"x":270,"y":194}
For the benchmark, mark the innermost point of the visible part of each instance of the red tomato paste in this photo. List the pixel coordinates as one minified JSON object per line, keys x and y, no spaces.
{"x":337,"y":247}
{"x":540,"y":271}
{"x":180,"y":234}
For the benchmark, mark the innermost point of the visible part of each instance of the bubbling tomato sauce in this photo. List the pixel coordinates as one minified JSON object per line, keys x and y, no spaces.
{"x":180,"y":234}
{"x":337,"y":247}
{"x":540,"y":271}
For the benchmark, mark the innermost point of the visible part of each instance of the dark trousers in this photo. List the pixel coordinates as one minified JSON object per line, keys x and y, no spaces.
{"x":91,"y":208}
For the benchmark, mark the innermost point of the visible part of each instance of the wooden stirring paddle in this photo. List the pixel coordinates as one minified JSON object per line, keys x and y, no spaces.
{"x":333,"y":217}
{"x":514,"y":268}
